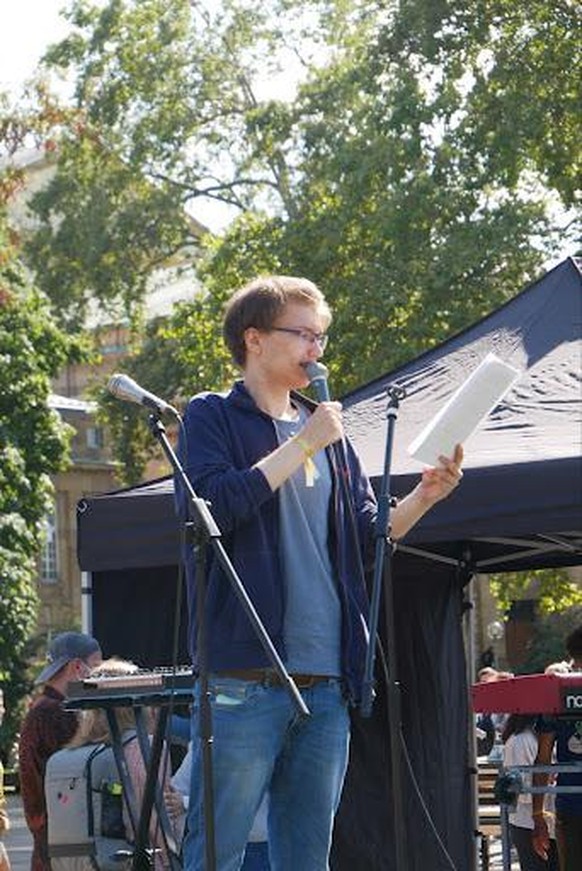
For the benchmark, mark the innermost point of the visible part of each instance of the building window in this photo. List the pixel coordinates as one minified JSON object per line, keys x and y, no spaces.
{"x":49,"y":569}
{"x":94,"y":437}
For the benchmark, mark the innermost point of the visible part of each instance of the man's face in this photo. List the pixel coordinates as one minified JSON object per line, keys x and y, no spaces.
{"x":81,"y":668}
{"x":282,"y":352}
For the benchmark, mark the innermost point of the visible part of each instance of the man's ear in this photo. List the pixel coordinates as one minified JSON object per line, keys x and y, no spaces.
{"x":74,"y":668}
{"x":253,"y":340}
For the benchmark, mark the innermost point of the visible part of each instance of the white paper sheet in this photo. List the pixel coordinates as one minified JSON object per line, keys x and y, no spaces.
{"x":464,"y":411}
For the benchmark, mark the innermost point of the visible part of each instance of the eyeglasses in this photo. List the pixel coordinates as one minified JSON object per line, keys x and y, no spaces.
{"x":305,"y":335}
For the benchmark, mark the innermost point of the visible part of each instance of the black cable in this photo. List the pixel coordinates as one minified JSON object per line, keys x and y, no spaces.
{"x":413,"y":780}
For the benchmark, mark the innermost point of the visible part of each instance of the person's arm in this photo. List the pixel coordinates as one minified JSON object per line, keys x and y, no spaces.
{"x":540,"y":837}
{"x":236,"y":493}
{"x":322,"y":428}
{"x":436,"y":484}
{"x":31,"y":769}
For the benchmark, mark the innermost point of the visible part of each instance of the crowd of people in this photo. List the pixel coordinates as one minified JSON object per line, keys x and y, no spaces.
{"x":546,"y":826}
{"x":49,"y":730}
{"x":545,"y":829}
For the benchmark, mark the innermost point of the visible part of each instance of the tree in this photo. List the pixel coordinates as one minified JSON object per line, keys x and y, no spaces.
{"x":142,"y":147}
{"x":378,"y":180}
{"x":550,"y":632}
{"x":553,"y":589}
{"x":519,"y":64}
{"x":402,"y":228}
{"x":33,"y":443}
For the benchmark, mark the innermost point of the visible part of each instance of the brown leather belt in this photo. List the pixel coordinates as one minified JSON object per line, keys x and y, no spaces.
{"x":268,"y":677}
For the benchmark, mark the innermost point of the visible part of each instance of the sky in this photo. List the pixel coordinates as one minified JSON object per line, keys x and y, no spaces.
{"x":28,"y":27}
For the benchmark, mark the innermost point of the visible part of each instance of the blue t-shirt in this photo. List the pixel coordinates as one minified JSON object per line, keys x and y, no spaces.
{"x":568,"y":736}
{"x":312,"y":628}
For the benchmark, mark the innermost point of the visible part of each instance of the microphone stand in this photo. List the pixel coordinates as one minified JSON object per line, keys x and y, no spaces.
{"x":206,"y":532}
{"x":383,"y":570}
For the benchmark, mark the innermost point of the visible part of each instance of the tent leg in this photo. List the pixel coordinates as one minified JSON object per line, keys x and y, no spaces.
{"x":480,"y":843}
{"x":87,"y":602}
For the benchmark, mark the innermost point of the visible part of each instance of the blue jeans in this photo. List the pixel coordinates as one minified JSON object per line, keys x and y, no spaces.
{"x":260,"y":744}
{"x":256,"y":857}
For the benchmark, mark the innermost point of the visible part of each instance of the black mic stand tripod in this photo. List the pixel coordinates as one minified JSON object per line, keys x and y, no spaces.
{"x":383,"y":572}
{"x":205,"y":532}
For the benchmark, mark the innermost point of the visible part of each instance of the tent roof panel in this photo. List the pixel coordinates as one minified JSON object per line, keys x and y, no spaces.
{"x":538,"y":332}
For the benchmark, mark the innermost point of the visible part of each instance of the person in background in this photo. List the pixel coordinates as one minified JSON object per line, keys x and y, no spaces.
{"x":93,"y":728}
{"x":500,"y":719}
{"x":487,"y":674}
{"x":47,"y":727}
{"x":261,"y":455}
{"x":520,"y":747}
{"x":561,"y":667}
{"x":4,"y":821}
{"x":484,"y":723}
{"x":487,"y":658}
{"x":564,"y":736}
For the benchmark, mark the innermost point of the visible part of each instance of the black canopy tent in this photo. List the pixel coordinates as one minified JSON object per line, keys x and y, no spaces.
{"x":519,"y":507}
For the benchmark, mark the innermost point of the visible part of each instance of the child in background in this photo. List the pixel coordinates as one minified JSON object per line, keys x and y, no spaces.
{"x":521,"y":748}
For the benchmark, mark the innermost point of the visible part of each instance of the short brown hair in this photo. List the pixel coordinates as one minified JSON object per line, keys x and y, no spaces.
{"x":260,"y":302}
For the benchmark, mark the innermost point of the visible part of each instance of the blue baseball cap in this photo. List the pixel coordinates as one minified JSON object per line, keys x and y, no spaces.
{"x":63,"y":649}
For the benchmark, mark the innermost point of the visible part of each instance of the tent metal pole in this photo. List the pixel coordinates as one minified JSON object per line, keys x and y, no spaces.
{"x":469,"y":619}
{"x":87,"y":602}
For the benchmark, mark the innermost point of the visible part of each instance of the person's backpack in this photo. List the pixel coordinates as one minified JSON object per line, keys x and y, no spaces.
{"x":84,"y":811}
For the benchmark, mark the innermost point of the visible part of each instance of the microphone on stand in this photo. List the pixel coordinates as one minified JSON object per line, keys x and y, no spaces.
{"x":125,"y":388}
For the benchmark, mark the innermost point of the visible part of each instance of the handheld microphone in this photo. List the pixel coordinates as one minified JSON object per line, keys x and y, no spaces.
{"x":124,"y":387}
{"x":317,"y":374}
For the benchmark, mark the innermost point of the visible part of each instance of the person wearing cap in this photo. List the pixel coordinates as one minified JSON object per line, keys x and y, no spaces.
{"x":48,"y":726}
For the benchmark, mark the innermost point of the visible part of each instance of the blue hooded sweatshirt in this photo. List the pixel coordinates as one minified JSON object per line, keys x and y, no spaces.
{"x":224,"y":436}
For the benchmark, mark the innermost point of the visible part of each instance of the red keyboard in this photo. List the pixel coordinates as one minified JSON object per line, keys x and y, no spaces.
{"x":559,"y":694}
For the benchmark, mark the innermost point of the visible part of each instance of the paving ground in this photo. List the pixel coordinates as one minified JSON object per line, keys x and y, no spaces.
{"x":18,"y":840}
{"x":19,"y":843}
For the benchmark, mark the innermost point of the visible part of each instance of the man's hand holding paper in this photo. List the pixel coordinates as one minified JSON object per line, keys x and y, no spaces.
{"x":436,"y":484}
{"x":464,"y":411}
{"x":439,"y":481}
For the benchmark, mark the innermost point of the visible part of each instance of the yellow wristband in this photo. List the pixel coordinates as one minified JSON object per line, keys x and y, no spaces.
{"x":304,"y":447}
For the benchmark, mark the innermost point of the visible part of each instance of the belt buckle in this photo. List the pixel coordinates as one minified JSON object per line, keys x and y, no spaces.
{"x":306,"y":682}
